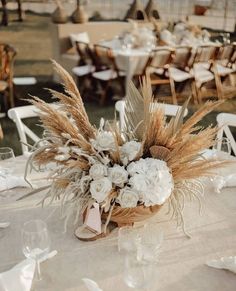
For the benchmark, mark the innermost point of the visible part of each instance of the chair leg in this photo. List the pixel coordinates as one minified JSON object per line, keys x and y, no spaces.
{"x":199,"y":94}
{"x":104,"y":94}
{"x":219,"y":86}
{"x":173,"y":92}
{"x":122,"y":84}
{"x":11,"y":97}
{"x":194,"y":92}
{"x":1,"y":132}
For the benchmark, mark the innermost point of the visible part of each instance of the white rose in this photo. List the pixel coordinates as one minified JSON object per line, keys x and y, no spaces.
{"x":100,"y":189}
{"x":118,"y":175}
{"x":98,"y":171}
{"x":104,"y":141}
{"x":129,"y":151}
{"x":128,"y":198}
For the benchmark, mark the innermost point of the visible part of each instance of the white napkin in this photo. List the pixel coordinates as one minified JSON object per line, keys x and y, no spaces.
{"x":10,"y":181}
{"x":224,"y":176}
{"x":91,"y":285}
{"x":21,"y":276}
{"x":227,"y":263}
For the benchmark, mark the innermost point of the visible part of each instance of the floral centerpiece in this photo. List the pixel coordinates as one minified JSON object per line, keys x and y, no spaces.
{"x":106,"y":174}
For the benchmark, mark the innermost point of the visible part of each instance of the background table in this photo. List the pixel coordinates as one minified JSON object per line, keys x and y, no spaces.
{"x":182,"y":260}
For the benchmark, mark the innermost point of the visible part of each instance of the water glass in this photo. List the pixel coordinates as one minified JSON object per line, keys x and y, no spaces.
{"x":6,"y":153}
{"x":128,"y":238}
{"x":35,"y":242}
{"x":151,"y":238}
{"x":138,"y":274}
{"x":225,"y":146}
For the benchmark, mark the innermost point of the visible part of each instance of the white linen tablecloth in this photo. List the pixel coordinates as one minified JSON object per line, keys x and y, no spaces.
{"x":182,"y":260}
{"x":132,"y":62}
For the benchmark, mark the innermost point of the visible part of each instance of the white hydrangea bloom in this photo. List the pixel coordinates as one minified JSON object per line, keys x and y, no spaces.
{"x":152,"y":179}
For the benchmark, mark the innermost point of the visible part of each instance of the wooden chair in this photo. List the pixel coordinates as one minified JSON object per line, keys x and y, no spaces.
{"x":157,"y":70}
{"x":224,"y":120}
{"x":223,"y":71}
{"x":106,"y":70}
{"x":17,"y":114}
{"x":7,"y":55}
{"x":170,"y":110}
{"x":180,"y":70}
{"x":85,"y":66}
{"x":203,"y":71}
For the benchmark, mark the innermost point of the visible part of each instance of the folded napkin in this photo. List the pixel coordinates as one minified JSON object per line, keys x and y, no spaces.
{"x":21,"y":276}
{"x":225,"y":176}
{"x":10,"y":181}
{"x":91,"y":285}
{"x":227,"y":263}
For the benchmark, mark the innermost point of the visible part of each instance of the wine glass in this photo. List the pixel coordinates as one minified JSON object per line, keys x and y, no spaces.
{"x":138,"y":273}
{"x":35,"y":242}
{"x":6,"y":153}
{"x":224,"y":147}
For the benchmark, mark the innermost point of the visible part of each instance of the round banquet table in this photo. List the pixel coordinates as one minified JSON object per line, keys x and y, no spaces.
{"x":182,"y":260}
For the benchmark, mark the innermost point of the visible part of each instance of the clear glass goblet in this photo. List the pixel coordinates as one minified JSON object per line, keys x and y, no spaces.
{"x":224,"y":146}
{"x":7,"y":155}
{"x":35,"y":242}
{"x":138,"y":273}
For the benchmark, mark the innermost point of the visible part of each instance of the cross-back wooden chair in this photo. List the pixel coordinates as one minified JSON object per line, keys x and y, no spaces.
{"x":7,"y":55}
{"x":180,"y":70}
{"x":85,"y":66}
{"x":157,"y":70}
{"x":203,"y":71}
{"x":223,"y":70}
{"x":106,"y":70}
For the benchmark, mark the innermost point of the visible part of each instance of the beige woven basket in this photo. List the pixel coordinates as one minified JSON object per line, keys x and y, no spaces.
{"x":128,"y":216}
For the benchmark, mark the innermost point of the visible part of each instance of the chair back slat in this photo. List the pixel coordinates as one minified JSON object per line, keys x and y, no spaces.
{"x":183,"y":57}
{"x":19,"y":113}
{"x":104,"y":58}
{"x":206,"y":54}
{"x":225,"y":54}
{"x":160,"y":58}
{"x":85,"y":52}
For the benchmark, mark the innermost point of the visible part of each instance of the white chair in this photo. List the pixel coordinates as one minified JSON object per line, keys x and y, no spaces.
{"x":224,"y":120}
{"x":19,"y":113}
{"x":170,"y":110}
